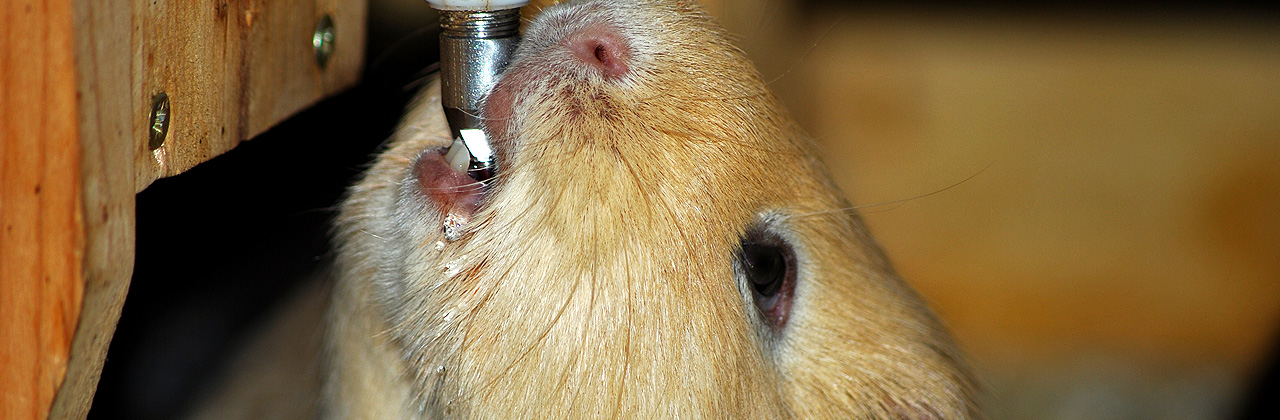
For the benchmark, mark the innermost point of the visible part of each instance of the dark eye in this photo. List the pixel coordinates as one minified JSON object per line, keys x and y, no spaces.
{"x":767,"y":262}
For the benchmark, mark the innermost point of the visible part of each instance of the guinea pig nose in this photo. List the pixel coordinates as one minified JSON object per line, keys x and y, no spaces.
{"x":601,"y":47}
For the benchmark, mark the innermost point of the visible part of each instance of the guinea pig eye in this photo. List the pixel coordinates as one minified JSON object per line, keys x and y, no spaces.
{"x":768,"y":265}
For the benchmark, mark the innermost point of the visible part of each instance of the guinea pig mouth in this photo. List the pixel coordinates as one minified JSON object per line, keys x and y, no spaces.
{"x":453,"y":193}
{"x":450,"y":190}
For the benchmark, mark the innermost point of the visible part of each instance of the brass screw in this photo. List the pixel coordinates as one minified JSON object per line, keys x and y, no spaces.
{"x":159,"y":120}
{"x":322,"y":40}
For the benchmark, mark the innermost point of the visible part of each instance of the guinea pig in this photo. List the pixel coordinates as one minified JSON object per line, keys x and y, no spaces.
{"x":660,"y":241}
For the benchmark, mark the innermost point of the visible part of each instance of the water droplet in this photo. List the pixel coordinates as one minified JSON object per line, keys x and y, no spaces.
{"x":452,"y":268}
{"x":454,"y":226}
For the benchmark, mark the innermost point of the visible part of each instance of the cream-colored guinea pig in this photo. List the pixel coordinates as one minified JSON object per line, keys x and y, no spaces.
{"x":660,"y":241}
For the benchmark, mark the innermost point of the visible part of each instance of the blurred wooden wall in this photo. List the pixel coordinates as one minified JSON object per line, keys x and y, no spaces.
{"x":1119,"y":256}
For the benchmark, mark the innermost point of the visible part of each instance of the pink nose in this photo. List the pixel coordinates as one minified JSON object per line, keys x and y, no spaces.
{"x":601,"y":47}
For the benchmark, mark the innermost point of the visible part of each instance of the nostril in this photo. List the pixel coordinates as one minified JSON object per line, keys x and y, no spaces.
{"x":602,"y":54}
{"x":603,"y":49}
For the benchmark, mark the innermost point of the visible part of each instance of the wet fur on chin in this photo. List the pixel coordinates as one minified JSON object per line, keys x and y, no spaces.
{"x":596,"y":278}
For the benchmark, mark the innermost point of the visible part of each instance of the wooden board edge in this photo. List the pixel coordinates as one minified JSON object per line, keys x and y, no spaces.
{"x":107,"y":130}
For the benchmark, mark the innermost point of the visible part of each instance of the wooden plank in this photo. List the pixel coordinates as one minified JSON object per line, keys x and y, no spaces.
{"x":76,"y":79}
{"x":108,"y":127}
{"x":234,"y":69}
{"x":41,"y":223}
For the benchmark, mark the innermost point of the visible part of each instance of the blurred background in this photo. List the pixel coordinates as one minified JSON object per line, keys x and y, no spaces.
{"x":1092,"y":195}
{"x":1117,"y":254}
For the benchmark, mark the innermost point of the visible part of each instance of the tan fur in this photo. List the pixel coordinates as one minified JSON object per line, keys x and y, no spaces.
{"x":596,"y":280}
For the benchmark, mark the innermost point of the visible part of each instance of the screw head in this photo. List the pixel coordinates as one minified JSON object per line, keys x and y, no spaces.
{"x":159,"y":121}
{"x":322,"y":40}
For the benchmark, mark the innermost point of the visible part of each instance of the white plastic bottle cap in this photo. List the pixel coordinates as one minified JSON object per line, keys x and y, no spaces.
{"x":482,"y":5}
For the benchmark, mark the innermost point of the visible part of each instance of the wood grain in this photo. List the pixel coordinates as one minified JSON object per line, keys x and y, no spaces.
{"x":76,"y":78}
{"x":234,"y":69}
{"x":41,"y":220}
{"x":107,"y":131}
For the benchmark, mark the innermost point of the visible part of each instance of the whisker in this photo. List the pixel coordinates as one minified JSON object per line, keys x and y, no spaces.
{"x":371,"y":234}
{"x":796,"y":63}
{"x":895,"y":207}
{"x":894,"y":203}
{"x":475,"y":186}
{"x":766,"y":12}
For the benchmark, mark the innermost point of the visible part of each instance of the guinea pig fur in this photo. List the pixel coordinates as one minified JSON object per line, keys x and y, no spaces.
{"x":660,"y":241}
